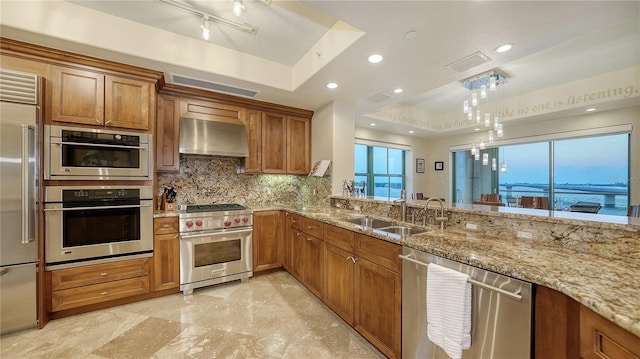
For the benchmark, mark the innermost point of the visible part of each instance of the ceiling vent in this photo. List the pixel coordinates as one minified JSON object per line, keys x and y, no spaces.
{"x":469,"y":62}
{"x":377,"y":98}
{"x":211,"y":86}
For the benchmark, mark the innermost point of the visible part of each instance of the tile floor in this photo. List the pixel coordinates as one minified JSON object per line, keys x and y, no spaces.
{"x":271,"y":316}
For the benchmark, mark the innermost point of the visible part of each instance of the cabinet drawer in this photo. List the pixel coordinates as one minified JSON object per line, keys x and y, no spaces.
{"x":379,"y":251}
{"x":165,"y":225}
{"x":296,"y":221}
{"x":92,"y":294}
{"x":339,"y":237}
{"x":312,"y":227}
{"x":100,"y":273}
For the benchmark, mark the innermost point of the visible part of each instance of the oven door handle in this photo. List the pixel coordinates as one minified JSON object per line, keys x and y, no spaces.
{"x":97,"y":145}
{"x":92,"y":208}
{"x":215,"y":233}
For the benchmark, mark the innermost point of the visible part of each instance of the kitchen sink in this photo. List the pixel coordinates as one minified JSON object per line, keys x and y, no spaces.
{"x":370,"y":222}
{"x":402,"y":230}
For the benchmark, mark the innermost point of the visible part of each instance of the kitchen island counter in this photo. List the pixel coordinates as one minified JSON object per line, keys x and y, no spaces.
{"x":607,"y":284}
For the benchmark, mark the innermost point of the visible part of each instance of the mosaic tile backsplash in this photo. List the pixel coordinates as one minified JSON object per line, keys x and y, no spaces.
{"x":206,"y":180}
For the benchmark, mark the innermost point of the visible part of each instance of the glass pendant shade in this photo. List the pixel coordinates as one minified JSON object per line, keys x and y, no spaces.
{"x":485,"y":159}
{"x":494,"y":164}
{"x":483,"y":92}
{"x":503,"y":168}
{"x":474,"y":99}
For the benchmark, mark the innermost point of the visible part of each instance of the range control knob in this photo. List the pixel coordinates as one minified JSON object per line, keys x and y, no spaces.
{"x":199,"y":223}
{"x":237,"y":220}
{"x":227,"y":223}
{"x":245,"y":219}
{"x":189,"y":224}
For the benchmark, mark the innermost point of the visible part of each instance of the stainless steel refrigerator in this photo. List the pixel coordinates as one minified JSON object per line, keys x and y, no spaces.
{"x":18,"y":200}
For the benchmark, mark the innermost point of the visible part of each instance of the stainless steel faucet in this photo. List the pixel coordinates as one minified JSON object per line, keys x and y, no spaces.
{"x":440,"y":219}
{"x":403,"y":201}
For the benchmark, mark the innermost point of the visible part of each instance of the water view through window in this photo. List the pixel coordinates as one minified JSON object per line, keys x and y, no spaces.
{"x":381,"y":169}
{"x":584,"y":175}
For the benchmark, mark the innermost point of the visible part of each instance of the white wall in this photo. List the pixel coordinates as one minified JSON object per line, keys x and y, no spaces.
{"x":440,"y":181}
{"x":333,"y":128}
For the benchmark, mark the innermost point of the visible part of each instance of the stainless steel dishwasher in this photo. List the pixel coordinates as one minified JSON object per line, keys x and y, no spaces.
{"x":501,"y":311}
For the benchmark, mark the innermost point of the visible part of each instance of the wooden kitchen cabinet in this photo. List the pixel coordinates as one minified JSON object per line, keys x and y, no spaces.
{"x":274,"y":143}
{"x":378,"y":309}
{"x":278,"y":143}
{"x":298,"y":239}
{"x":81,"y":286}
{"x":313,"y":266}
{"x":166,"y":253}
{"x":268,"y":240}
{"x":168,"y":134}
{"x":298,"y":145}
{"x":339,"y":281}
{"x":91,"y":98}
{"x":253,"y":125}
{"x":600,"y":338}
{"x":211,"y":111}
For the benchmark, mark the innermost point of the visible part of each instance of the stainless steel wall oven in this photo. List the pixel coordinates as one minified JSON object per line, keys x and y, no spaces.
{"x":97,"y":223}
{"x":73,"y":153}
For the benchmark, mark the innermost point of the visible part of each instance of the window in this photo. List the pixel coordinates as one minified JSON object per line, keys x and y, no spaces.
{"x":588,"y":173}
{"x":382,"y":169}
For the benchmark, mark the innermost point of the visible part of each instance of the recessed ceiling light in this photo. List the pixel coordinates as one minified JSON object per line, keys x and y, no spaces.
{"x":412,"y":131}
{"x":398,"y":90}
{"x":411,"y":34}
{"x":372,"y":124}
{"x":591,"y":109}
{"x":332,"y":85}
{"x":504,"y":48}
{"x":375,"y":58}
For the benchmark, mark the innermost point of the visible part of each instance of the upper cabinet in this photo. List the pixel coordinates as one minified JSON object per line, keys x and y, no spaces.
{"x":279,"y":137}
{"x":278,"y":143}
{"x":91,"y":98}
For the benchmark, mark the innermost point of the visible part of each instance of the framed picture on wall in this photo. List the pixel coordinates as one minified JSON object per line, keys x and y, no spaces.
{"x":420,"y":165}
{"x":439,"y":166}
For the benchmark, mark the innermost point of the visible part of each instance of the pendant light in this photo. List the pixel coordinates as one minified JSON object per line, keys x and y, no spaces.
{"x":503,"y":164}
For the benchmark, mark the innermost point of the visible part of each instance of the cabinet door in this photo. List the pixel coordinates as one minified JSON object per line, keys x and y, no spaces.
{"x":77,"y":96}
{"x":166,"y":261}
{"x":267,"y":240}
{"x":378,"y":313}
{"x":298,"y":145}
{"x":127,"y":103}
{"x":253,"y":163}
{"x":339,"y":278}
{"x":274,"y":143}
{"x":313,"y":277}
{"x":168,"y":134}
{"x":297,"y":253}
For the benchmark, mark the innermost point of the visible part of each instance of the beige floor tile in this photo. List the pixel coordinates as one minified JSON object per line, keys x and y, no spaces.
{"x":270,"y":316}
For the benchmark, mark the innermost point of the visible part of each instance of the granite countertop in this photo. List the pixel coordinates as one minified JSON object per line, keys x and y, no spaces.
{"x":610,"y":287}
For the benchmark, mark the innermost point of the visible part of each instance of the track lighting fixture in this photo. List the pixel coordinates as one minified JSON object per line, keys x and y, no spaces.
{"x":211,"y":17}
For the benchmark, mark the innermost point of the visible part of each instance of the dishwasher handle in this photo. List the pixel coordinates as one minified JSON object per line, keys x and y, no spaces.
{"x":515,"y":295}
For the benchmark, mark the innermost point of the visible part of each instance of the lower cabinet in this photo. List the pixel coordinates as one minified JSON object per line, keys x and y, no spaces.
{"x":80,"y":286}
{"x":357,"y":276}
{"x":313,"y":265}
{"x":600,"y":338}
{"x":378,"y":313}
{"x":166,"y":253}
{"x":340,"y":269}
{"x":267,"y":240}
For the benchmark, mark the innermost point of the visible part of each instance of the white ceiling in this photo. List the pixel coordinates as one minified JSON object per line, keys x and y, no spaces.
{"x":554,"y":43}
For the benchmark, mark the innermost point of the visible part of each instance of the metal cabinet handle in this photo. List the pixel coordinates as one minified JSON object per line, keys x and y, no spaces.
{"x":26,"y":182}
{"x":103,"y":293}
{"x":103,"y":274}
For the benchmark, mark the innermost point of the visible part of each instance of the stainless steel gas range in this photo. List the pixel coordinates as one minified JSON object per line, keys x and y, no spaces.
{"x":215,"y":245}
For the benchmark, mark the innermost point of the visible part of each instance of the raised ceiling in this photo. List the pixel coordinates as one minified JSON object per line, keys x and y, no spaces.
{"x":300,"y":46}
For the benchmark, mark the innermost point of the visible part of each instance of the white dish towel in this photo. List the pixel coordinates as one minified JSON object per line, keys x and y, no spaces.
{"x":448,"y":309}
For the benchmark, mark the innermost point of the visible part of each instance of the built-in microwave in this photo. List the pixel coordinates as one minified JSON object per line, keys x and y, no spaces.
{"x":93,"y":224}
{"x":73,"y":153}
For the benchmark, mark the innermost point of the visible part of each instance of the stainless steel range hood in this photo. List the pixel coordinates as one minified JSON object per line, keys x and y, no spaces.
{"x":210,"y":138}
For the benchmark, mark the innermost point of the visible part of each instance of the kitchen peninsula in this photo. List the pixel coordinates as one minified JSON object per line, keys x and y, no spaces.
{"x":591,"y":259}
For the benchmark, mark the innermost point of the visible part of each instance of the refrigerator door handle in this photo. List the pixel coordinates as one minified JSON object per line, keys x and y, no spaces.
{"x":27,"y":140}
